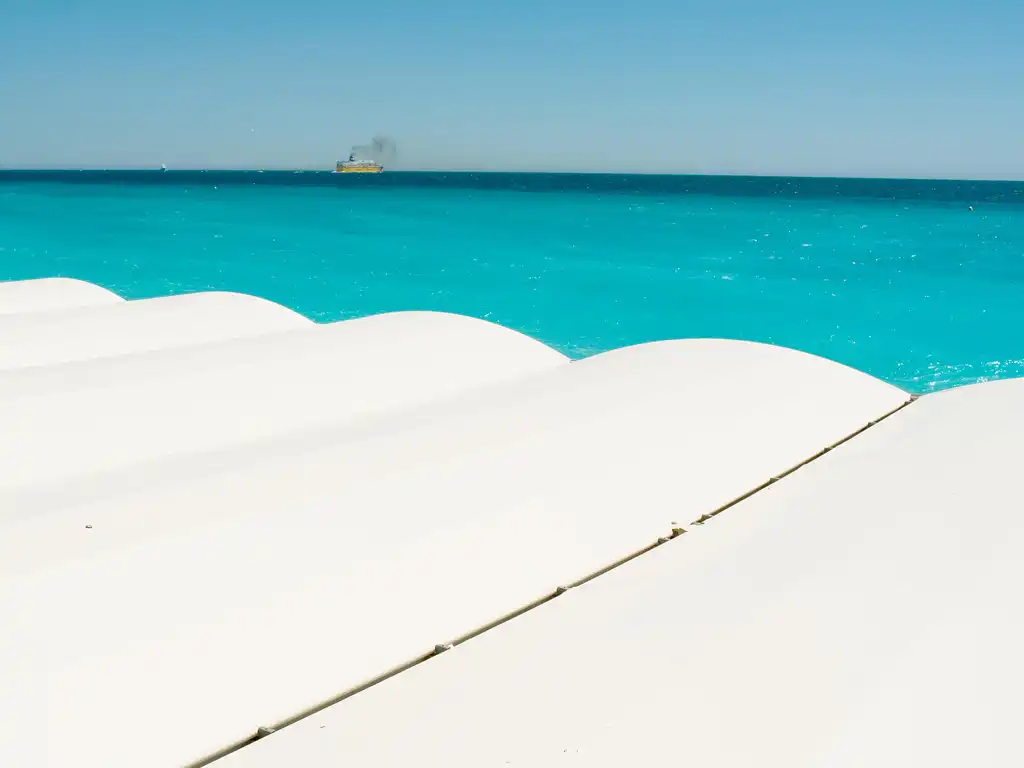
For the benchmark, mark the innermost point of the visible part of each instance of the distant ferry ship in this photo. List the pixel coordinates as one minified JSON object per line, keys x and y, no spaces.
{"x":357,"y":166}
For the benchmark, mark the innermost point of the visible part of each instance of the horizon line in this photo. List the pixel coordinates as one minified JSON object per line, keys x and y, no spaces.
{"x":822,"y":177}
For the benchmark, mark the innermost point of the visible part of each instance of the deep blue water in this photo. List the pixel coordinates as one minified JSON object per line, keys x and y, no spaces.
{"x":898,"y":278}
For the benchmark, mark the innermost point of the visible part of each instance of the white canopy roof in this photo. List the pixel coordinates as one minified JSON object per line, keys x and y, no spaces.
{"x":51,"y":293}
{"x":864,"y":611}
{"x":217,"y":516}
{"x":171,"y":621}
{"x":103,"y":330}
{"x":105,"y":423}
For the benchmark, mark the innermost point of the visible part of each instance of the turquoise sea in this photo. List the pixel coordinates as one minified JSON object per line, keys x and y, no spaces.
{"x":901,"y":279}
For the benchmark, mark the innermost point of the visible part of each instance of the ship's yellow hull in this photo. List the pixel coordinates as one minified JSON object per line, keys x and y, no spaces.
{"x":359,"y":170}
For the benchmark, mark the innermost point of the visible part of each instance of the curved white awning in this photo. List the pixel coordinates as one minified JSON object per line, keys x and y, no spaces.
{"x":98,"y":421}
{"x":862,"y":611}
{"x":106,"y":330}
{"x":51,"y":293}
{"x":186,"y":617}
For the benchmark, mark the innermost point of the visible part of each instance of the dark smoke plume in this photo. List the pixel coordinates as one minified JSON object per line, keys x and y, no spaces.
{"x":381,"y":149}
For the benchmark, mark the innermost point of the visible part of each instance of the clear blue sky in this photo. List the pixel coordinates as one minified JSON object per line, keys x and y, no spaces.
{"x":930,"y":88}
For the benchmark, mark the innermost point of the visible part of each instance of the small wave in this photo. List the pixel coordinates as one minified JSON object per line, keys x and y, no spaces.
{"x":939,"y":376}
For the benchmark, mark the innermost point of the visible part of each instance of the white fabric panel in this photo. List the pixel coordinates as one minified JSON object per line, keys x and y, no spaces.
{"x":82,"y":333}
{"x":49,"y":293}
{"x":185,"y":618}
{"x":98,"y":419}
{"x":864,"y":611}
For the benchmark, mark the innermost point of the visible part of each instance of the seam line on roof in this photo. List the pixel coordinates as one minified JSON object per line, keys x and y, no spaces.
{"x":775,"y":478}
{"x":266,"y":730}
{"x":676,"y":531}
